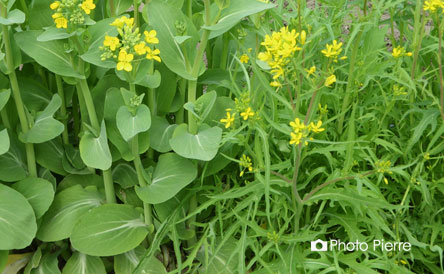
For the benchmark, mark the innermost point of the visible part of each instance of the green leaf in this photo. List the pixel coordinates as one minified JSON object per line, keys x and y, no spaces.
{"x":81,"y":263}
{"x":202,"y":146}
{"x":161,"y":132}
{"x":232,"y":15}
{"x":17,"y":220}
{"x":14,"y":17}
{"x":13,"y":167}
{"x":40,"y":15}
{"x":53,"y":33}
{"x":166,"y":91}
{"x":50,"y":155}
{"x":68,"y":206}
{"x":151,"y":266}
{"x":94,"y":151}
{"x":4,"y":97}
{"x":222,"y":258}
{"x":82,"y":180}
{"x":204,"y":104}
{"x":39,"y":193}
{"x":127,"y":262}
{"x":50,"y":54}
{"x":45,"y":126}
{"x":171,"y":175}
{"x":163,"y":18}
{"x":4,"y":141}
{"x":120,"y":6}
{"x":109,"y":230}
{"x":130,"y":125}
{"x":98,"y":32}
{"x":49,"y":264}
{"x":125,"y":175}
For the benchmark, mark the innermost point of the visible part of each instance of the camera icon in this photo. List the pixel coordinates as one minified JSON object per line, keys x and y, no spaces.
{"x":315,"y":244}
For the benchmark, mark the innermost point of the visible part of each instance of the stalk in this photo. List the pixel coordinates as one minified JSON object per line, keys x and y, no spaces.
{"x":61,"y":93}
{"x":24,"y":123}
{"x":5,"y":118}
{"x":441,"y":86}
{"x":107,"y":175}
{"x":136,"y":13}
{"x":350,"y":83}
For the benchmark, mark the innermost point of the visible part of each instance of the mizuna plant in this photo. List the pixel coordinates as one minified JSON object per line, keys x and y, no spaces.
{"x":220,"y":136}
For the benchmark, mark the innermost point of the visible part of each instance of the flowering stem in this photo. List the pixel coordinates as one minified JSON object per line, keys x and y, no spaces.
{"x":441,"y":85}
{"x":107,"y":174}
{"x":136,"y":12}
{"x":30,"y":154}
{"x":112,"y":8}
{"x":62,"y":108}
{"x":138,"y":165}
{"x":350,"y":83}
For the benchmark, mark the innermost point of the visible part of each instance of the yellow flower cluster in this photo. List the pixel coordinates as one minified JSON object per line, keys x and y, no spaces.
{"x":279,"y":49}
{"x":128,"y":44}
{"x":246,"y":164}
{"x":434,"y":5}
{"x":301,"y":131}
{"x":330,"y":80}
{"x":243,"y":108}
{"x":333,"y":51}
{"x":398,"y":91}
{"x":383,"y":166}
{"x":71,"y":11}
{"x":400,"y":52}
{"x":244,"y":58}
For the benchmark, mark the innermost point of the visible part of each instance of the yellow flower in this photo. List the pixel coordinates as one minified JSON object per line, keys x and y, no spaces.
{"x":55,"y":5}
{"x":150,"y":37}
{"x":140,"y":48}
{"x":330,"y":80}
{"x":265,"y":56}
{"x":316,"y":128}
{"x":247,"y":113}
{"x":244,"y":58}
{"x":245,"y":162}
{"x":400,"y":51}
{"x":303,"y":37}
{"x":386,"y":181}
{"x":323,"y":109}
{"x":152,"y":54}
{"x":276,"y":84}
{"x":311,"y":71}
{"x":87,"y":6}
{"x":111,"y":42}
{"x":125,"y":61}
{"x":433,"y":5}
{"x":333,"y":50}
{"x":123,"y":20}
{"x":229,"y":120}
{"x":60,"y":21}
{"x":295,"y":138}
{"x":297,"y":125}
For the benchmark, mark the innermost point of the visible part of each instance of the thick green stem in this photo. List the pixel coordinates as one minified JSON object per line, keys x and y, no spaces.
{"x":5,"y":118}
{"x":30,"y":154}
{"x":136,"y":13}
{"x":107,"y":174}
{"x":61,"y":93}
{"x":138,"y":165}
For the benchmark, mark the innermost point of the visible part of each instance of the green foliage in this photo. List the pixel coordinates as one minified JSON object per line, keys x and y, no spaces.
{"x":184,"y":136}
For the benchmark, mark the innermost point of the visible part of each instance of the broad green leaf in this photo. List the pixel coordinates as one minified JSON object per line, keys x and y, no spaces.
{"x":13,"y":167}
{"x":161,"y":132}
{"x":49,"y":264}
{"x":127,"y":262}
{"x":4,"y":141}
{"x":109,"y":230}
{"x":53,"y":33}
{"x":120,"y":6}
{"x":201,"y":146}
{"x":45,"y":126}
{"x":232,"y":15}
{"x":84,"y":264}
{"x":34,"y":94}
{"x":4,"y":97}
{"x":130,"y":125}
{"x":68,"y":206}
{"x":14,"y":17}
{"x":125,"y":175}
{"x":151,"y":266}
{"x":50,"y":54}
{"x":39,"y":192}
{"x":98,"y":32}
{"x":82,"y":180}
{"x":50,"y":155}
{"x":149,"y":80}
{"x":95,"y":151}
{"x":72,"y":162}
{"x":166,"y":91}
{"x":163,"y":18}
{"x":204,"y":104}
{"x":17,"y":220}
{"x":40,"y":15}
{"x":171,"y":175}
{"x":222,"y":258}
